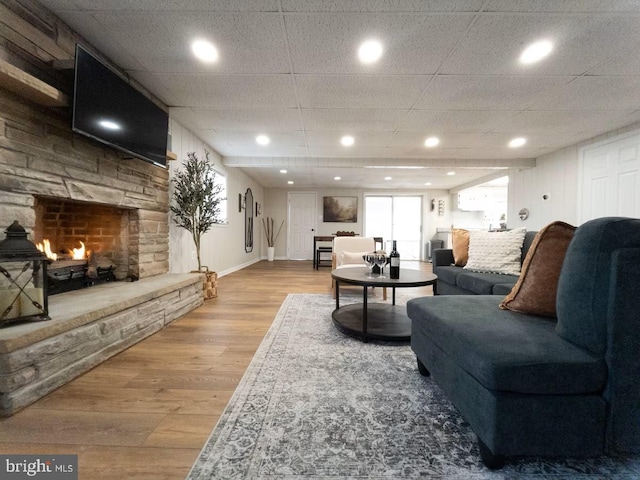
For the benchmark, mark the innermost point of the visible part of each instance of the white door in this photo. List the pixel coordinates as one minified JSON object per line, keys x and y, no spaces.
{"x":302,"y":225}
{"x":610,"y":183}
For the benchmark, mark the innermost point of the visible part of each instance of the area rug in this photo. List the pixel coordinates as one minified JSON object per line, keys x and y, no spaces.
{"x":316,"y":404}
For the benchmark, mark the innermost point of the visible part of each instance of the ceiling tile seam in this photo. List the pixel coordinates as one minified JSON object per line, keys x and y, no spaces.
{"x":293,"y":75}
{"x":111,"y":63}
{"x":404,"y":13}
{"x":552,"y":91}
{"x":122,"y":72}
{"x":629,"y":51}
{"x":482,"y":11}
{"x":591,"y":13}
{"x":364,"y":75}
{"x":449,"y":53}
{"x":507,"y":121}
{"x":287,"y":13}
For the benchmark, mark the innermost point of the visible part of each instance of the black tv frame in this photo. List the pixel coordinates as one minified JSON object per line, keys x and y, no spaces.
{"x":100,"y":93}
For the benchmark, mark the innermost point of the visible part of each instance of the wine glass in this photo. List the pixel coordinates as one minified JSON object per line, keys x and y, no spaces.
{"x":370,"y":261}
{"x":380,"y":259}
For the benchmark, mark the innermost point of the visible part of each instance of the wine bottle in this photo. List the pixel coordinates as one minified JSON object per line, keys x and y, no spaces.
{"x":394,"y":256}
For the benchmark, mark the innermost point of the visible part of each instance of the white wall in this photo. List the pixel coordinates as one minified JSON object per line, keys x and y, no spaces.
{"x":223,"y":246}
{"x":276,"y":207}
{"x":555,"y":174}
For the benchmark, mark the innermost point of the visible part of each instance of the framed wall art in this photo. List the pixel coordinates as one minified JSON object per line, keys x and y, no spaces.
{"x":340,"y":209}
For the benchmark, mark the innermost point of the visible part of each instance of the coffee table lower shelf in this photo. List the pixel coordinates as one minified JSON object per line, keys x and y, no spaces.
{"x":384,"y":322}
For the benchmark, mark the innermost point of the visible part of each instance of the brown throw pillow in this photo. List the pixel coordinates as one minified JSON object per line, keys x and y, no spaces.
{"x":460,"y":241}
{"x":535,"y":291}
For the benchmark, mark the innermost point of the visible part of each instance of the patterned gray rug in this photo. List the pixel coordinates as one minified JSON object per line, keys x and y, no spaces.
{"x":315,"y":404}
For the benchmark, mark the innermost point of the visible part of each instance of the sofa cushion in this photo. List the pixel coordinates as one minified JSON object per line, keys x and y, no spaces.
{"x":502,"y":288}
{"x":460,"y":246}
{"x":504,"y":350}
{"x":482,"y":283}
{"x":583,"y":288}
{"x":497,"y":252}
{"x":535,"y":291}
{"x":449,"y":274}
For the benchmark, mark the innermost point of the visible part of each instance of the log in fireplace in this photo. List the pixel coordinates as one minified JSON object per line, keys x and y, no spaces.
{"x":67,"y":275}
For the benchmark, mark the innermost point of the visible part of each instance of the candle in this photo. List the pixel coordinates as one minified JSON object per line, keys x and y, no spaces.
{"x":27,"y":297}
{"x":7,"y":297}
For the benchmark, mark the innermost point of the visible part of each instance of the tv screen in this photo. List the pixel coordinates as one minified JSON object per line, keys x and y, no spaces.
{"x":109,"y":110}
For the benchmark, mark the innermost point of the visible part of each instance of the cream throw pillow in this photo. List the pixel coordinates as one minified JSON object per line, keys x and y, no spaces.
{"x":351,"y":258}
{"x":496,"y":252}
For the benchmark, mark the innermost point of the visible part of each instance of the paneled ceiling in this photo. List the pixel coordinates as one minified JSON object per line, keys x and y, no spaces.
{"x":289,"y":69}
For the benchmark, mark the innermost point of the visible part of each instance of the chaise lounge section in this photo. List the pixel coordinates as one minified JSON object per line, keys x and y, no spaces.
{"x":531,"y":385}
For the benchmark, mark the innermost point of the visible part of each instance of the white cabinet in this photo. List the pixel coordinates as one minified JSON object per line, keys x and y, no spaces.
{"x":472,"y":200}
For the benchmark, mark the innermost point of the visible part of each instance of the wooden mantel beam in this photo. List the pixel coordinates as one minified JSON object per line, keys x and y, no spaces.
{"x":29,"y":87}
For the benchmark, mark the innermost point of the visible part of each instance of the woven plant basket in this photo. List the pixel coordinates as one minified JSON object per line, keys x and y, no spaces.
{"x":210,"y":284}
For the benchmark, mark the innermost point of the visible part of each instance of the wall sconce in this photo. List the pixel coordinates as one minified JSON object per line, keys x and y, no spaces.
{"x":433,"y":204}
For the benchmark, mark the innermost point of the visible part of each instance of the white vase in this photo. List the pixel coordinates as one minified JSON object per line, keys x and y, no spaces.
{"x":271,"y":253}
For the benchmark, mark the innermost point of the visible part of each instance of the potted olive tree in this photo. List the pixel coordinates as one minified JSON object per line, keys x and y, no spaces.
{"x":196,"y":198}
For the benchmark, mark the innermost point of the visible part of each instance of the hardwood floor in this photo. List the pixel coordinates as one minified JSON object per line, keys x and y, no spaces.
{"x":146,"y":412}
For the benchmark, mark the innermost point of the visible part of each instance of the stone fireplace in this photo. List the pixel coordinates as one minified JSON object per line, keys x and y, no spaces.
{"x":68,"y":189}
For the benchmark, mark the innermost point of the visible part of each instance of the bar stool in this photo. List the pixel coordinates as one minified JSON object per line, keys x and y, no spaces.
{"x":319,"y":252}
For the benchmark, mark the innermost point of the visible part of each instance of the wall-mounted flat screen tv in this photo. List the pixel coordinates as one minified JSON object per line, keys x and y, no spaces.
{"x":109,"y":110}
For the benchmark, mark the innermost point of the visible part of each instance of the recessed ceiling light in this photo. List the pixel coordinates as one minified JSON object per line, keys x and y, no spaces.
{"x":337,"y":178}
{"x":347,"y":140}
{"x":517,"y":142}
{"x":283,"y":171}
{"x":388,"y":178}
{"x":204,"y":51}
{"x":290,"y":182}
{"x":263,"y":140}
{"x":428,"y":183}
{"x":451,"y":173}
{"x":431,"y":142}
{"x":370,"y":51}
{"x":536,"y":52}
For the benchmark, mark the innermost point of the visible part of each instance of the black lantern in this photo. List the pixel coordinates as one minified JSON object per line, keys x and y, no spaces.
{"x":23,"y":279}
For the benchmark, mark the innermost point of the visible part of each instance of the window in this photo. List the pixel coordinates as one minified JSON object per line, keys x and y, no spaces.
{"x":395,"y":218}
{"x":221,"y":179}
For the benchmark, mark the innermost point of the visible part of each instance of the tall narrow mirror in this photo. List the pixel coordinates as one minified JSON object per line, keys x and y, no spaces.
{"x":248,"y":221}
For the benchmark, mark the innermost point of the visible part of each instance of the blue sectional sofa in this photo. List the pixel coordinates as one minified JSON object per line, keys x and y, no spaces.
{"x":530,"y":385}
{"x":453,"y":280}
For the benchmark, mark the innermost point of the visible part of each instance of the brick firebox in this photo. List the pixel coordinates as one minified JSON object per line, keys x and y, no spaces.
{"x":102,"y":229}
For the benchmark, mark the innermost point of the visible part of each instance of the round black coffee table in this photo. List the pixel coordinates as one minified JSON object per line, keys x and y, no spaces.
{"x":378,"y":321}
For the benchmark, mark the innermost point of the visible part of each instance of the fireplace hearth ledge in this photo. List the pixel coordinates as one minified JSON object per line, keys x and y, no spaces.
{"x":87,"y":327}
